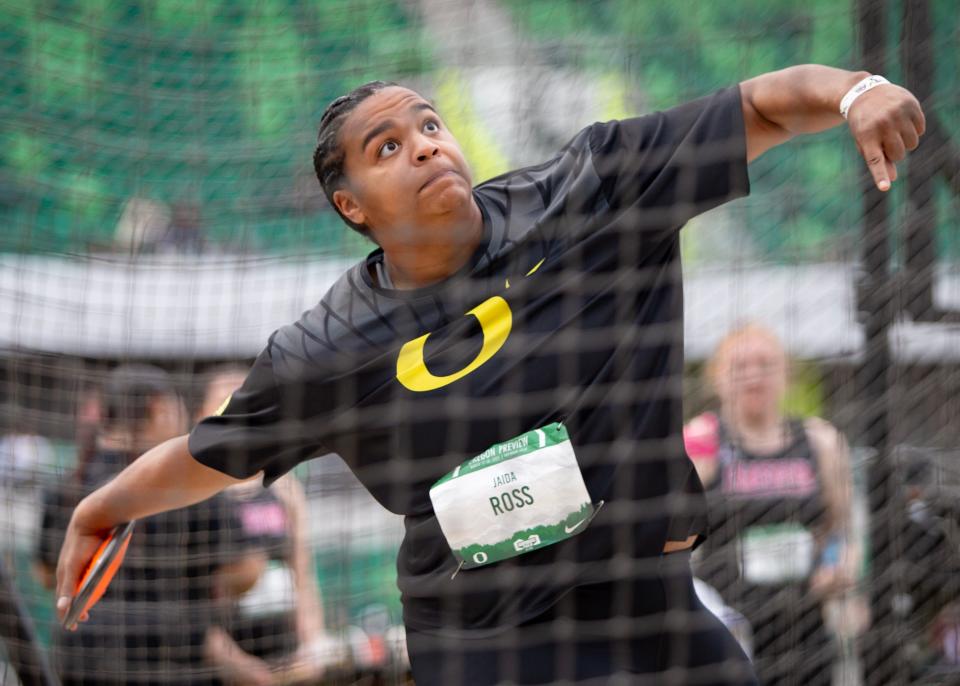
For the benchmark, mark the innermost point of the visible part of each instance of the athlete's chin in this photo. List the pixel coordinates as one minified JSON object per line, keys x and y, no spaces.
{"x":452,"y":199}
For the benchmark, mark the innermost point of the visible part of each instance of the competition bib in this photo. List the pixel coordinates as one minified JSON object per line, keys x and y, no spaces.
{"x":516,"y":496}
{"x":775,"y":554}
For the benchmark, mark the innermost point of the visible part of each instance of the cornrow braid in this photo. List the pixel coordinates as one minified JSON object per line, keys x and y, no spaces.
{"x":328,"y":157}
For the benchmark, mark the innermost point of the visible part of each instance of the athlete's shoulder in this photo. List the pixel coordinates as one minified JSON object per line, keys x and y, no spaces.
{"x":575,"y":147}
{"x":349,"y":319}
{"x":562,"y":160}
{"x":542,"y":189}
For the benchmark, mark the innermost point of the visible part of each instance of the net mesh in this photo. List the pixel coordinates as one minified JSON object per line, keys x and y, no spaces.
{"x":161,"y":216}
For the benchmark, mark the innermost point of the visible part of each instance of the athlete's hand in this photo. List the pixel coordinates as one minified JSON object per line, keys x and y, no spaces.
{"x":886,"y":122}
{"x":82,"y":539}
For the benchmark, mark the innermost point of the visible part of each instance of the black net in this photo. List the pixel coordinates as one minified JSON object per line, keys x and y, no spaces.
{"x":497,"y":474}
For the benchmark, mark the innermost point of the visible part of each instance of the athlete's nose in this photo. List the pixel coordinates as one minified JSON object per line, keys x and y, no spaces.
{"x":426,"y":149}
{"x":424,"y":156}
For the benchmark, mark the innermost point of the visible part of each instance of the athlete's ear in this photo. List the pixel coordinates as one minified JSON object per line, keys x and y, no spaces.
{"x":347,"y":204}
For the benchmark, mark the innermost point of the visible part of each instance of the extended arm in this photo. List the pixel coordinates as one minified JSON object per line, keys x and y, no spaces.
{"x":164,"y":478}
{"x":885,"y":122}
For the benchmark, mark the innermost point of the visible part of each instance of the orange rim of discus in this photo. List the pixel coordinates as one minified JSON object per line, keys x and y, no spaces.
{"x":99,"y":572}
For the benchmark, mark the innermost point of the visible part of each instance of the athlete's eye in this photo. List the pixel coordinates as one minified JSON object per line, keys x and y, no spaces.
{"x":430,"y":126}
{"x":388,"y":149}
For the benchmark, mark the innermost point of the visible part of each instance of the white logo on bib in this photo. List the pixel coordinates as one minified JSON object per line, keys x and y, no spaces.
{"x":526,"y":544}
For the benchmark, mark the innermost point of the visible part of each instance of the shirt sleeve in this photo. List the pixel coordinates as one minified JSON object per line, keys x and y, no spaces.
{"x":264,"y":426}
{"x":675,"y":164}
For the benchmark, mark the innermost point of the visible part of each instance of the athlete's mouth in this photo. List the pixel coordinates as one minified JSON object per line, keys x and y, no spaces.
{"x":439,"y":175}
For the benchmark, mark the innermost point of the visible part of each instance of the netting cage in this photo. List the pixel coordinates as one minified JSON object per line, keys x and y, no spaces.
{"x":495,"y":457}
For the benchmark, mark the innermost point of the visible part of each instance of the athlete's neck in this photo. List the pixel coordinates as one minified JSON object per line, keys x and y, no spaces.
{"x":414,"y":264}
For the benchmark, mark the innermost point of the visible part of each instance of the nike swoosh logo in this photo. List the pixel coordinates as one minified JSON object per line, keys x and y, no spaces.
{"x":571,"y":529}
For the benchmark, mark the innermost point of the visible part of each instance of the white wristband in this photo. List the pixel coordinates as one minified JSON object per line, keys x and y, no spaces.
{"x":862,"y":87}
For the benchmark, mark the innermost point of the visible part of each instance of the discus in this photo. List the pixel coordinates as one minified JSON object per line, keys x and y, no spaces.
{"x":99,"y":573}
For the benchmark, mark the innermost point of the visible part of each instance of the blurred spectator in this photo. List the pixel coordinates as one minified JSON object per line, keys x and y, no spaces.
{"x":151,"y":624}
{"x":930,"y":568}
{"x":946,"y":635}
{"x":779,"y":495}
{"x":142,"y":225}
{"x":279,"y":621}
{"x":87,"y":420}
{"x":185,"y":232}
{"x":26,"y":459}
{"x":24,"y":455}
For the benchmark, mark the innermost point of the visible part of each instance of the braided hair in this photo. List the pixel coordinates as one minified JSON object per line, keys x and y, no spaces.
{"x":329,"y":156}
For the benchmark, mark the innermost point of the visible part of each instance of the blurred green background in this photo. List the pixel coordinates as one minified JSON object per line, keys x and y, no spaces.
{"x":210,"y":108}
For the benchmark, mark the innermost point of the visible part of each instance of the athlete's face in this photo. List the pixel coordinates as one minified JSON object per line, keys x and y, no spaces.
{"x":405,"y":173}
{"x":752,"y":375}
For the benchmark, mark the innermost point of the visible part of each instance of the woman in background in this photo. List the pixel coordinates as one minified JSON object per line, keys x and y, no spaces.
{"x":779,"y":493}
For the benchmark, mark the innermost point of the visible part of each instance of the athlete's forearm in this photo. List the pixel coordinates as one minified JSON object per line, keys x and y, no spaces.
{"x":164,"y":478}
{"x":885,"y":122}
{"x":801,"y":99}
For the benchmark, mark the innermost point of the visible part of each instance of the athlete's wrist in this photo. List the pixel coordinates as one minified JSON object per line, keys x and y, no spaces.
{"x":94,"y":515}
{"x":839,"y":90}
{"x":860,"y":88}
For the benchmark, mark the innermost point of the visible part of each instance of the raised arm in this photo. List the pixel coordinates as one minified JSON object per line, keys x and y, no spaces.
{"x":885,"y":122}
{"x":164,"y":478}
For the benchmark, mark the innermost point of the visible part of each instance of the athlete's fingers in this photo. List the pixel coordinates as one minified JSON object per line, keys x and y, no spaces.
{"x":69,"y":568}
{"x":886,"y":122}
{"x":63,"y":604}
{"x":894,"y":148}
{"x":878,"y":165}
{"x":78,"y":547}
{"x":919,"y":119}
{"x":76,"y":625}
{"x":910,"y":137}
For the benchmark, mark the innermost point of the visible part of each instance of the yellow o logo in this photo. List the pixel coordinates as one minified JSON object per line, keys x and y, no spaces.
{"x":495,"y":320}
{"x":223,"y":406}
